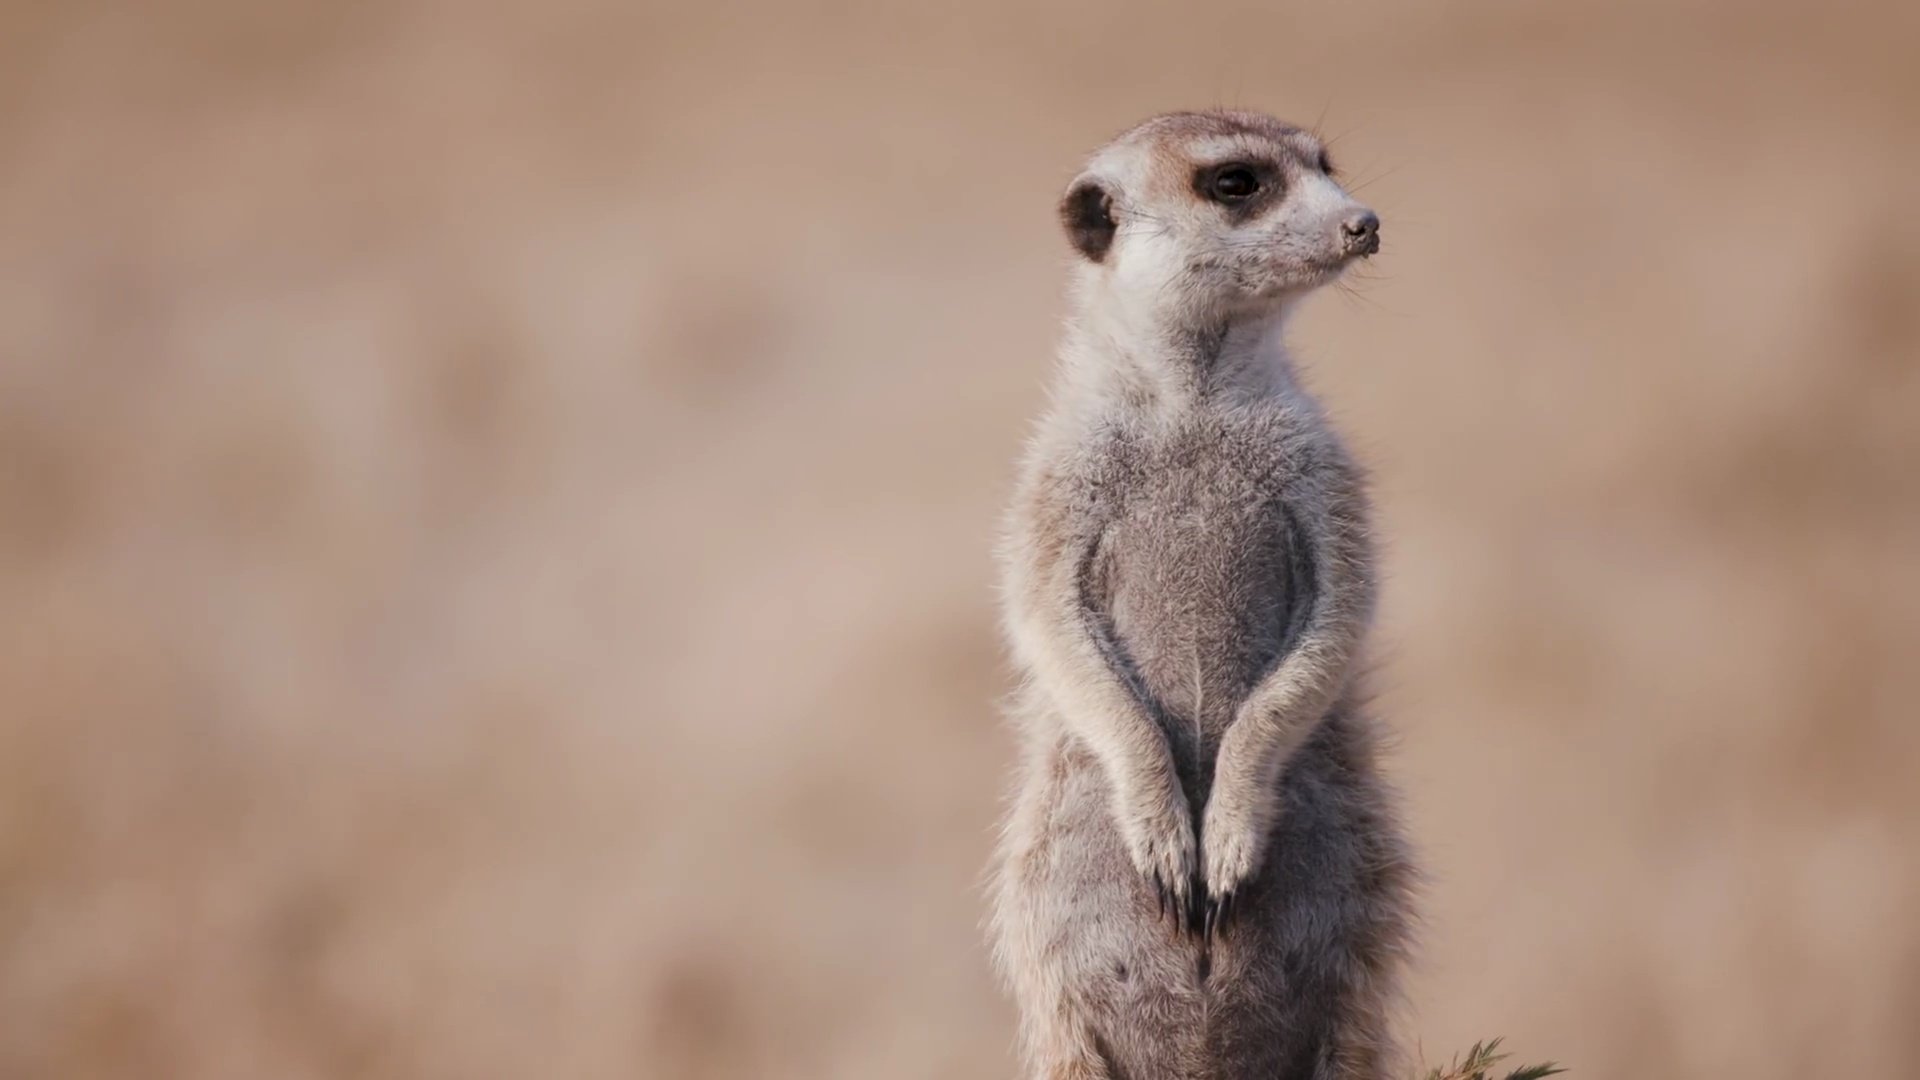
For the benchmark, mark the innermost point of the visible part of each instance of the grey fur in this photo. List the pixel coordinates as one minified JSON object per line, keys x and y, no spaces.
{"x":1188,"y":579}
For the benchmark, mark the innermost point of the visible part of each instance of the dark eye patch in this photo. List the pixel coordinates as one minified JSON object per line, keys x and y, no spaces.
{"x":1325,"y":164}
{"x":1241,"y":187}
{"x":1233,"y":184}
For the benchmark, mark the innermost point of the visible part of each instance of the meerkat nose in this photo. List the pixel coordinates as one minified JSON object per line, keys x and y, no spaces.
{"x":1362,"y":232}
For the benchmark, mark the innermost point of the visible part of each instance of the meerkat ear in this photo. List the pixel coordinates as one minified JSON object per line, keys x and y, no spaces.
{"x":1087,"y":212}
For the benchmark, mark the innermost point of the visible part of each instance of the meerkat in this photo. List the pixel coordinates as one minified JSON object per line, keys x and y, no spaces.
{"x":1201,"y":876}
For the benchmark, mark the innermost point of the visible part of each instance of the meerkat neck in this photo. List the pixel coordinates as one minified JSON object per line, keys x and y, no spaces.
{"x":1252,"y":360}
{"x":1178,"y":359}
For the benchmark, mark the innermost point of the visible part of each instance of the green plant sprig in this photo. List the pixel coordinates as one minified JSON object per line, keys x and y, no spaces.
{"x":1479,"y":1063}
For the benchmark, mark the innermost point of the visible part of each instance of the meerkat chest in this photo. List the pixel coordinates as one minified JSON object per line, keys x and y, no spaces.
{"x":1200,"y":567}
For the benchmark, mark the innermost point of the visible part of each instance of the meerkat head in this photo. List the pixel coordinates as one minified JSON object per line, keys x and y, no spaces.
{"x":1217,"y":214}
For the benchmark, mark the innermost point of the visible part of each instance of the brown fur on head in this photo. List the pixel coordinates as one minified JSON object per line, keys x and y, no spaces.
{"x":1215,"y":212}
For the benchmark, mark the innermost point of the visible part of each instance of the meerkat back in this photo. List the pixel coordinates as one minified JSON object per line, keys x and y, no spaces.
{"x":1201,"y":874}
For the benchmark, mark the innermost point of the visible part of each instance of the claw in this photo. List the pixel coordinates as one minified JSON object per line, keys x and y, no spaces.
{"x":1220,"y":913}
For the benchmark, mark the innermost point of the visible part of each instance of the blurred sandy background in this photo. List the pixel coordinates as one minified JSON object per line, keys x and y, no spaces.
{"x":495,"y":506}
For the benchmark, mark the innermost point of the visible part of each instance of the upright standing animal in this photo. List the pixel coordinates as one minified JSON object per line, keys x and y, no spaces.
{"x":1201,"y":875}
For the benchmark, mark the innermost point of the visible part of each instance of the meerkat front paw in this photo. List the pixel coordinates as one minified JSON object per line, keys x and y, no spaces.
{"x":1161,"y":843}
{"x":1233,"y":840}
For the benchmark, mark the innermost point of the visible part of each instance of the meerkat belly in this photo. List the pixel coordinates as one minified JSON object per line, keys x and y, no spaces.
{"x":1200,"y":591}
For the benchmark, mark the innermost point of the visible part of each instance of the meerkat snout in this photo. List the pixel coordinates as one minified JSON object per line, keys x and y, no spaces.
{"x":1362,"y":230}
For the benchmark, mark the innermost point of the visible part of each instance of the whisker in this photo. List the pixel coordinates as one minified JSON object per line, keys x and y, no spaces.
{"x":1359,"y":185}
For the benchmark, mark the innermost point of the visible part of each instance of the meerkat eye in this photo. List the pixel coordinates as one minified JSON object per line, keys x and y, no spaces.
{"x":1235,"y":183}
{"x":1325,"y":163}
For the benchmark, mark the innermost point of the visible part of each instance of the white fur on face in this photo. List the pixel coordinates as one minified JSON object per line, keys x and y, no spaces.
{"x":1152,"y":254}
{"x":1318,"y":203}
